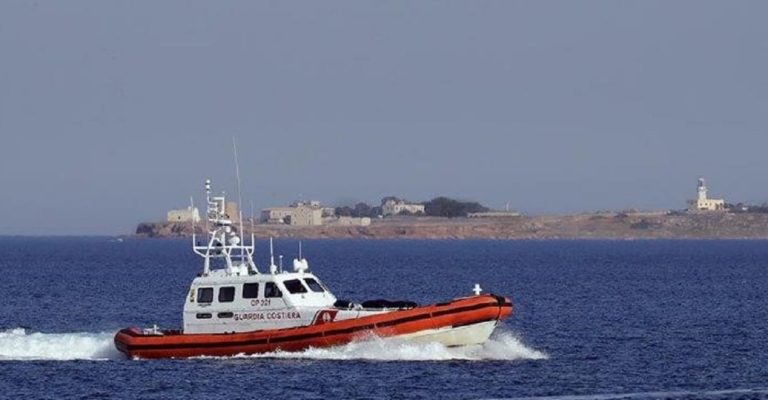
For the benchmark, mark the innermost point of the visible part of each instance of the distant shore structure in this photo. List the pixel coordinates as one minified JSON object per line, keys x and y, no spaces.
{"x":494,"y":214}
{"x":305,"y":213}
{"x":189,"y":214}
{"x":703,"y":203}
{"x":506,"y":213}
{"x":395,"y":206}
{"x":231,"y":210}
{"x":349,"y":221}
{"x":308,"y":213}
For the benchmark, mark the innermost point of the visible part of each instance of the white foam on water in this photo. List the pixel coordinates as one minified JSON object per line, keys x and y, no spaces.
{"x":501,"y":346}
{"x":18,"y":344}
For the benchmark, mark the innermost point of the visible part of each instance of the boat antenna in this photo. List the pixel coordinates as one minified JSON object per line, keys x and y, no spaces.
{"x":208,"y":207}
{"x":300,"y":257}
{"x":253,"y":218}
{"x":253,"y":229}
{"x":192,"y":212}
{"x":239,"y":190}
{"x":272,"y":266}
{"x":271,"y":252}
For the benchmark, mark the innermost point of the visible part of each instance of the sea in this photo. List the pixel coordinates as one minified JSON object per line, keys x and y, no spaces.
{"x":656,"y":319}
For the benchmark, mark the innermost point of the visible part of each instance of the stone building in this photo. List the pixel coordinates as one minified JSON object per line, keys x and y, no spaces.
{"x":307,"y":215}
{"x":277,"y":215}
{"x":395,"y":206}
{"x":299,"y":213}
{"x":232,"y":211}
{"x":703,"y":202}
{"x":184,"y":215}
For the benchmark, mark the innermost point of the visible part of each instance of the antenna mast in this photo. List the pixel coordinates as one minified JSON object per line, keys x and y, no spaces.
{"x":223,"y":241}
{"x":208,"y":202}
{"x":239,"y":189}
{"x":271,"y":252}
{"x":272,"y":266}
{"x":253,"y":218}
{"x":192,"y":212}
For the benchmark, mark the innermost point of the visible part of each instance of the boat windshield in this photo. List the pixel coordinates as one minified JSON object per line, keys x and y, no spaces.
{"x":314,"y":285}
{"x":294,"y":286}
{"x":271,"y":290}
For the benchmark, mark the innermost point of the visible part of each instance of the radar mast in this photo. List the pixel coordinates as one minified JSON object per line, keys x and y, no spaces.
{"x":223,"y":240}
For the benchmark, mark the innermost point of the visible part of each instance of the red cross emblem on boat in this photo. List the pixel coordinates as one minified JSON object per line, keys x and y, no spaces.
{"x":325,"y":316}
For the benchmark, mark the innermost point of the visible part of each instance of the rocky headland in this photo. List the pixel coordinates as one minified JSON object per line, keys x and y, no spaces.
{"x":580,"y":226}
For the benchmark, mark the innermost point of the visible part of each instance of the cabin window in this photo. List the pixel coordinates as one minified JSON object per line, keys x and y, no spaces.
{"x":203,"y":316}
{"x":294,"y":286}
{"x":224,"y":315}
{"x":226,"y":294}
{"x":250,"y":290}
{"x":205,"y":295}
{"x":271,"y":290}
{"x":314,"y":285}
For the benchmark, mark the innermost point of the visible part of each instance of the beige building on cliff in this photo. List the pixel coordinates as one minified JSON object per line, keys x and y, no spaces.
{"x":299,"y":213}
{"x":189,"y":214}
{"x":232,"y":211}
{"x":394,"y":206}
{"x":703,"y":203}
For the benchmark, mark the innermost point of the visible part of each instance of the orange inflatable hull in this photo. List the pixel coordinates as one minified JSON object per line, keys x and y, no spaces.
{"x":175,"y":344}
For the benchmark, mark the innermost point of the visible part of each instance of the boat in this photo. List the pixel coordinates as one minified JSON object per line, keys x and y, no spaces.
{"x":233,"y":307}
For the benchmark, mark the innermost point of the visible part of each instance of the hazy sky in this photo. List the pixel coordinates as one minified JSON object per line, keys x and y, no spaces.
{"x":113,"y":112}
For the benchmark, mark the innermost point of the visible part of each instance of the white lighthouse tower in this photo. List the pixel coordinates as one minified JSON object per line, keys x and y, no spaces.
{"x":702,"y":189}
{"x":703,"y":202}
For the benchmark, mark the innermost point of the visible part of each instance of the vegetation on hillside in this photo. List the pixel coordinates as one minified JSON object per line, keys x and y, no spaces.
{"x":447,"y":207}
{"x":359,"y":210}
{"x":747,"y":208}
{"x":438,"y":207}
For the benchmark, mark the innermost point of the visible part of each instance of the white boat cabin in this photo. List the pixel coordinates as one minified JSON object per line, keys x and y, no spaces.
{"x":219,"y":304}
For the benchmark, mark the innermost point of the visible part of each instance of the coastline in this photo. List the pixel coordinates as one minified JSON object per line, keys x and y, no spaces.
{"x":579,"y":226}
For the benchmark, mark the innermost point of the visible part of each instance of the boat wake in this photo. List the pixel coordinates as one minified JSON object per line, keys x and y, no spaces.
{"x":502,"y":346}
{"x":18,"y":344}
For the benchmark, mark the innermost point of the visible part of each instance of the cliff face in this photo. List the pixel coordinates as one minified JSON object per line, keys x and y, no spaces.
{"x":167,"y":229}
{"x":607,"y":226}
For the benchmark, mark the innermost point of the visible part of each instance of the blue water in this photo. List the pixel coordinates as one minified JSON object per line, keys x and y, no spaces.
{"x":593,"y":319}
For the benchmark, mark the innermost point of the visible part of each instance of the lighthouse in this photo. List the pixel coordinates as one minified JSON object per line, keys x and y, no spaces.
{"x":703,"y":203}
